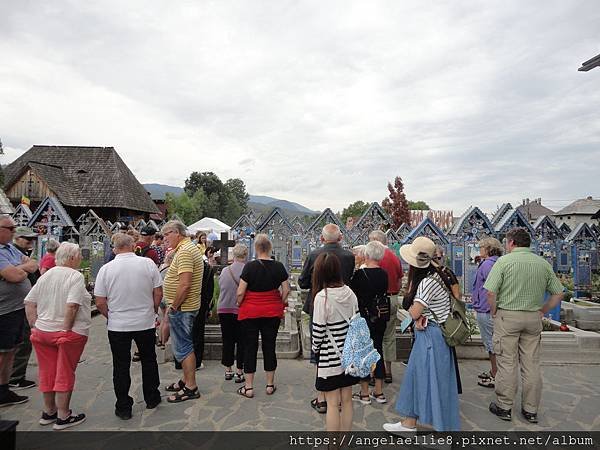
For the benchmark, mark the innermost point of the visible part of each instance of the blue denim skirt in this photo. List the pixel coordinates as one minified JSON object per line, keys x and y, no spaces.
{"x":429,"y":390}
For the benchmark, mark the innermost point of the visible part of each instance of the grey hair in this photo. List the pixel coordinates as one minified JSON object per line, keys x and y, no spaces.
{"x":492,"y":246}
{"x":359,"y":250}
{"x":52,"y":246}
{"x":439,"y":250}
{"x":331,"y":233}
{"x":175,"y":225}
{"x":122,"y":240}
{"x":379,"y":236}
{"x":65,"y":252}
{"x":262,"y":243}
{"x":374,"y":250}
{"x":240,"y":251}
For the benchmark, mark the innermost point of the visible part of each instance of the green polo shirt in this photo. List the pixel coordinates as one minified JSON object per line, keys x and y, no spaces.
{"x":520,"y":279}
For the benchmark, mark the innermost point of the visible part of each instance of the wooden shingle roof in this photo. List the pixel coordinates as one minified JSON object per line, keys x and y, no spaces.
{"x":90,"y":177}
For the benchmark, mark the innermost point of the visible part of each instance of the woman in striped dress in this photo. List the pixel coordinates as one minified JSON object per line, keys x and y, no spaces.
{"x":334,"y":304}
{"x":429,"y":391}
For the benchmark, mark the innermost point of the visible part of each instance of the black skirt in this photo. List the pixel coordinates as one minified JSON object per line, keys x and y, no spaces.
{"x":335,"y":382}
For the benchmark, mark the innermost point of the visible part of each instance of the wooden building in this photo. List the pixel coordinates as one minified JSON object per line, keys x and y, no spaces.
{"x":81,"y":178}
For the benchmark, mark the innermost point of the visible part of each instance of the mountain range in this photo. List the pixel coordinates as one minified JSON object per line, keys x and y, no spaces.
{"x":260,"y":203}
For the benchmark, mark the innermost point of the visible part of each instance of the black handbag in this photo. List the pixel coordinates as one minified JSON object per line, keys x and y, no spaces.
{"x":380,"y":306}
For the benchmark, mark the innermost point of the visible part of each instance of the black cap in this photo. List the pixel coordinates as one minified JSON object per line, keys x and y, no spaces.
{"x":148,"y":231}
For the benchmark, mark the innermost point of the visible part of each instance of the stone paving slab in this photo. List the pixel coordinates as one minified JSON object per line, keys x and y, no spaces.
{"x":570,"y":399}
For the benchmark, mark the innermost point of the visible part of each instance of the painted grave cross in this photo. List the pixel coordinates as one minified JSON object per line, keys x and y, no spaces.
{"x":223,"y":245}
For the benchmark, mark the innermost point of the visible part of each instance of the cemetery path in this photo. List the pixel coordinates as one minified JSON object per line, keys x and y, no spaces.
{"x":570,"y":399}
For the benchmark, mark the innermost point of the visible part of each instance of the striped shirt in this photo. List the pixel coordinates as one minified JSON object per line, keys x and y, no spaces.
{"x":325,"y":317}
{"x":187,"y":259}
{"x":432,"y":294}
{"x":520,"y":280}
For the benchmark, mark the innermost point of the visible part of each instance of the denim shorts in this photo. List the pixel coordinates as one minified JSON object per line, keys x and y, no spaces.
{"x":181,"y":324}
{"x":486,"y":330}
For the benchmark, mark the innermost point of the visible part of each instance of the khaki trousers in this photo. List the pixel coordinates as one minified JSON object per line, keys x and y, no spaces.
{"x":516,"y":340}
{"x":389,"y":337}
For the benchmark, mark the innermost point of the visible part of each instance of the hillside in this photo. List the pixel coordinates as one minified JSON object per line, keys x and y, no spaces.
{"x":259,"y":203}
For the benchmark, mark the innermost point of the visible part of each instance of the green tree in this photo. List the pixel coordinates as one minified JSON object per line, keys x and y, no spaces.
{"x":190,"y":209}
{"x":418,"y":205}
{"x":396,"y":204}
{"x":355,"y":209}
{"x":237,"y":188}
{"x":209,"y":182}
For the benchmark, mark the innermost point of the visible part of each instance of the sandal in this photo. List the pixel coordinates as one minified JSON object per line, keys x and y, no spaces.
{"x":487,"y":382}
{"x":175,"y":387}
{"x":243,"y":391}
{"x":320,"y":407}
{"x":379,"y":398}
{"x":388,"y":379}
{"x":484,"y":375}
{"x":228,"y":375}
{"x":184,"y":394}
{"x":239,"y":378}
{"x":272,"y":387}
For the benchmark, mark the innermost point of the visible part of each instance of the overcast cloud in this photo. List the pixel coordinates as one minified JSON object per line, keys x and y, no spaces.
{"x":316,"y":102}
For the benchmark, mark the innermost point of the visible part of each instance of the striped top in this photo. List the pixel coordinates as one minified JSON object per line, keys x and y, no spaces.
{"x":187,"y":259}
{"x":520,"y":279}
{"x":432,"y":294}
{"x":325,"y":317}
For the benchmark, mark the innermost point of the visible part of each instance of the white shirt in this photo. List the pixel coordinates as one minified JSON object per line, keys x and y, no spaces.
{"x":52,"y":292}
{"x":128,"y":282}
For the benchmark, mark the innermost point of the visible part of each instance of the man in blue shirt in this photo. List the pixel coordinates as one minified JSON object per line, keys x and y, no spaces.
{"x":14,"y":286}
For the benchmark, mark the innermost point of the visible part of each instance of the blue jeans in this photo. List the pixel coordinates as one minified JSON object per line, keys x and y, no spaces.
{"x":181,"y":324}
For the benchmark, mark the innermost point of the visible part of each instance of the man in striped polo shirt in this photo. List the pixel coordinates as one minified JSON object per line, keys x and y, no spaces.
{"x":181,"y":290}
{"x":516,"y":286}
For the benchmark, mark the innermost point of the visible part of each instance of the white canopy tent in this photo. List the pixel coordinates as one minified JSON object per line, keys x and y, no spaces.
{"x":207,"y":224}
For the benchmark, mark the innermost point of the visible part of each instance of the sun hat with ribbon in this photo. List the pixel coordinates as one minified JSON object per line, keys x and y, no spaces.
{"x":419,"y":253}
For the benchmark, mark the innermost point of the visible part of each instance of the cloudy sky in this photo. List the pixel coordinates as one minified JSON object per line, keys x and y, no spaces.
{"x":316,"y":102}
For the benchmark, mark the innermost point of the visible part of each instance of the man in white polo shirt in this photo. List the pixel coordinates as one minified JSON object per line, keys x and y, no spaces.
{"x":128,"y":291}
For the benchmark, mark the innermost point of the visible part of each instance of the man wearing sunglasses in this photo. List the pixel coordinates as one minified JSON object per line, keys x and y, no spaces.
{"x":14,"y":286}
{"x":24,"y":241}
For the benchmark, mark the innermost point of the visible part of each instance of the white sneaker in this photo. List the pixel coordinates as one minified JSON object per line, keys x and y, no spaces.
{"x":398,"y":428}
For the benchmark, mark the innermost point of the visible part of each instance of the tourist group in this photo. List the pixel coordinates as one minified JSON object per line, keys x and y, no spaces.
{"x":159,"y":286}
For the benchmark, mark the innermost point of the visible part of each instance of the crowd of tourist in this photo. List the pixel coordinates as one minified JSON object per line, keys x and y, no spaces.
{"x":159,"y":287}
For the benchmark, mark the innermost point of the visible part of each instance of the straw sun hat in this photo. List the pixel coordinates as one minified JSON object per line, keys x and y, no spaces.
{"x":419,"y":253}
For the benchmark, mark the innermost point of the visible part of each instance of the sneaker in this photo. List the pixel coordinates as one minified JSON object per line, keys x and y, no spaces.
{"x":124,"y":415}
{"x":398,"y":428}
{"x":379,"y":398}
{"x":529,"y":417}
{"x":23,"y":384}
{"x":503,"y":414}
{"x":10,"y":398}
{"x":48,"y":419}
{"x":70,"y":421}
{"x":365,"y":400}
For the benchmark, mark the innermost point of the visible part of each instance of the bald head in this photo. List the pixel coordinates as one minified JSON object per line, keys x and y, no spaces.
{"x":331,"y":233}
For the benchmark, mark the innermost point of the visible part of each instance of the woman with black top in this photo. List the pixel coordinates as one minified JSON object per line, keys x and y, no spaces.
{"x":368,"y":283}
{"x":262,"y":297}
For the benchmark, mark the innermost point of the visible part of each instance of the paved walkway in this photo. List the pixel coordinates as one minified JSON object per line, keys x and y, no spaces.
{"x":570,"y":399}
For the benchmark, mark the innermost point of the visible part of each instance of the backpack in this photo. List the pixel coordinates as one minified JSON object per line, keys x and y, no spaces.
{"x":358,"y":356}
{"x":142,"y":251}
{"x":456,"y":327}
{"x":380,"y":307}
